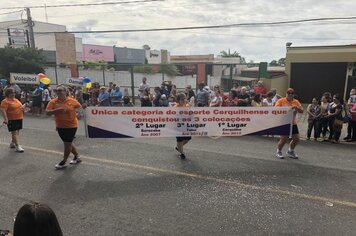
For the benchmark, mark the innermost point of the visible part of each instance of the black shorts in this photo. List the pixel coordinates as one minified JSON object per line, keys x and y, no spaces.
{"x":37,"y":103}
{"x":181,"y":139}
{"x":86,"y":97}
{"x":295,"y":129}
{"x":14,"y":125}
{"x":67,"y":134}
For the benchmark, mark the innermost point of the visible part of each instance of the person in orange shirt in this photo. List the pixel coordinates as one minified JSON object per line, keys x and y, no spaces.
{"x":64,"y":109}
{"x":12,"y":111}
{"x":289,"y":101}
{"x":181,"y":141}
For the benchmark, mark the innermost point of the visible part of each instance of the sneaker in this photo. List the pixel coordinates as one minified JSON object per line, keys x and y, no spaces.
{"x":12,"y":145}
{"x":75,"y":160}
{"x":60,"y":165}
{"x":347,"y":137}
{"x":279,"y":155}
{"x":292,"y":154}
{"x":19,"y":149}
{"x":308,"y":138}
{"x":182,"y":156}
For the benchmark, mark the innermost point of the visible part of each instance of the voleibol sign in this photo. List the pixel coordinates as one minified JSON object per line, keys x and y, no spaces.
{"x":17,"y":78}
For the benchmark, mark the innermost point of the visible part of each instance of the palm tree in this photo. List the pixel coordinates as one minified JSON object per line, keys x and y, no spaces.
{"x":229,"y":54}
{"x":168,"y":69}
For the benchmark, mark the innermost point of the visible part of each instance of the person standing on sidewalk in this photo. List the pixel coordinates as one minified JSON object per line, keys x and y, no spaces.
{"x":64,"y":109}
{"x":289,"y":101}
{"x":12,"y":112}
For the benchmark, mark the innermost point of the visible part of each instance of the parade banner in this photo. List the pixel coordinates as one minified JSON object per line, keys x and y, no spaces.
{"x":74,"y":82}
{"x":135,"y":122}
{"x":17,"y":78}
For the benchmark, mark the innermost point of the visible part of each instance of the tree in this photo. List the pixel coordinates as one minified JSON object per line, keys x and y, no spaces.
{"x":229,"y":54}
{"x":280,"y":62}
{"x":169,"y":69}
{"x":146,"y":47}
{"x":145,"y":69}
{"x":274,"y":63}
{"x":21,"y":60}
{"x":93,"y":65}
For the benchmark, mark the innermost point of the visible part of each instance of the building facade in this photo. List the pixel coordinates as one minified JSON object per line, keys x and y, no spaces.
{"x":311,"y":71}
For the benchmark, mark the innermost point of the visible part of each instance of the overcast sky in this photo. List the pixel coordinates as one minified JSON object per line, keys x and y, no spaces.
{"x":253,"y":43}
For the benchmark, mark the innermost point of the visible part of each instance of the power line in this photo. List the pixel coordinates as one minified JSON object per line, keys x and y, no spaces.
{"x":84,"y":4}
{"x":261,"y":24}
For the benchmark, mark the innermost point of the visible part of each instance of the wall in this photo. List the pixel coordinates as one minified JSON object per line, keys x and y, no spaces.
{"x":97,"y":52}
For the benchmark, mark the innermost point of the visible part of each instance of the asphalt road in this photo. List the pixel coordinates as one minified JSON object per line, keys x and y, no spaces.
{"x":227,"y":186}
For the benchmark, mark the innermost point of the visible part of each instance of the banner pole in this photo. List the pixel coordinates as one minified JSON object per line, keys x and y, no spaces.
{"x":291,"y":126}
{"x":85,"y":122}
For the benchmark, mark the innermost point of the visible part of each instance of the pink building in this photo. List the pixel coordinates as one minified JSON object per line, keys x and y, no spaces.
{"x":96,"y":52}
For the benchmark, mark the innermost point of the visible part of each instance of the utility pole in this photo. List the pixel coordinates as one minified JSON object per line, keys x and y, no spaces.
{"x":30,"y":25}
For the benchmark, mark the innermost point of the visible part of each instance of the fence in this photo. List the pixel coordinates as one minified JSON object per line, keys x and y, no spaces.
{"x":124,"y":78}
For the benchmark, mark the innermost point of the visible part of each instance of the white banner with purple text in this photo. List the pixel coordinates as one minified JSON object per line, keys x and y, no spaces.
{"x":135,"y":122}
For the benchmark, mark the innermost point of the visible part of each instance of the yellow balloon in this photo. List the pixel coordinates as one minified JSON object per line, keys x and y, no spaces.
{"x":88,"y":85}
{"x":45,"y":81}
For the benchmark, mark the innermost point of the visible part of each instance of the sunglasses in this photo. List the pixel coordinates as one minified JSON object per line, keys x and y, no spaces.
{"x":59,"y":90}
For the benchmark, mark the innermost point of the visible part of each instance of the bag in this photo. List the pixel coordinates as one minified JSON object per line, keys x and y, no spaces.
{"x":338,"y":124}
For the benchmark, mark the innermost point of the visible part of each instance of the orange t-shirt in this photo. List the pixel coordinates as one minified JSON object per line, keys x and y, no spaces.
{"x":283,"y":102}
{"x":67,"y":119}
{"x":185,"y":105}
{"x":13,"y":108}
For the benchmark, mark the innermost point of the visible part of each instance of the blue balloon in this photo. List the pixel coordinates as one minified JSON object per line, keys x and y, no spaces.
{"x":86,"y":79}
{"x":4,"y":82}
{"x":42,"y":85}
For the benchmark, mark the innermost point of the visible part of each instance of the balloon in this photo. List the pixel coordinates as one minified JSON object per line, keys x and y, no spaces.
{"x":41,"y":75}
{"x":42,"y":85}
{"x":45,"y":81}
{"x":4,"y":82}
{"x":86,"y":80}
{"x":88,"y":85}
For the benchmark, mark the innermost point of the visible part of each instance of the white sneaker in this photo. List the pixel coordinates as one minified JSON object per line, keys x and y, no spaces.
{"x":60,"y":165}
{"x":19,"y":149}
{"x":75,"y":160}
{"x":12,"y":145}
{"x":279,"y":155}
{"x":292,"y":154}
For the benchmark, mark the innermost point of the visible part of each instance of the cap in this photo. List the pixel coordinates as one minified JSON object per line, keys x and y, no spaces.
{"x":290,"y":90}
{"x":102,"y":87}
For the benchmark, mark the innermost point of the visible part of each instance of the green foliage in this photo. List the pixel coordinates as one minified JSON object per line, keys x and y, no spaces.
{"x":229,"y":54}
{"x":21,"y":60}
{"x":93,"y":65}
{"x":274,"y":63}
{"x":280,"y":62}
{"x":169,"y":69}
{"x":145,"y":69}
{"x":146,"y":47}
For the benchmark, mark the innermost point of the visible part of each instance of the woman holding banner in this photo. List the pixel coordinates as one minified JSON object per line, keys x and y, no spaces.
{"x":289,"y":101}
{"x":64,"y":109}
{"x":181,"y":141}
